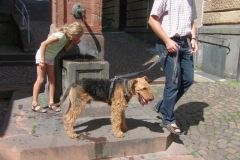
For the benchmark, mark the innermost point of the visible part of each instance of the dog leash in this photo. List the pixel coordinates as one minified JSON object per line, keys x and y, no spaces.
{"x":175,"y":68}
{"x":164,"y":54}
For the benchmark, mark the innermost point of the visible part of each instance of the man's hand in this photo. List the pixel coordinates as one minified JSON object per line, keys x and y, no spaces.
{"x":172,"y":46}
{"x":194,"y":46}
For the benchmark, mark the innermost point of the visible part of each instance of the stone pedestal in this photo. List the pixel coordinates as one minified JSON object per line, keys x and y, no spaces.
{"x":85,"y":60}
{"x":74,"y":70}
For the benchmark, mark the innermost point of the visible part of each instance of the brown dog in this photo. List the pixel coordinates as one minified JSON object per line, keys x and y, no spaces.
{"x":117,"y":94}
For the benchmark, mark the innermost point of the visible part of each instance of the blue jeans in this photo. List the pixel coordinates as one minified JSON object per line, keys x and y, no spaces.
{"x":185,"y":73}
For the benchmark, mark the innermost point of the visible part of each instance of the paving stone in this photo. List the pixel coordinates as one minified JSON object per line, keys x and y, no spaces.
{"x":234,"y":141}
{"x":212,"y":147}
{"x":231,"y":150}
{"x":222,"y":152}
{"x":222,"y":145}
{"x":217,"y":157}
{"x":237,"y":155}
{"x":208,"y":157}
{"x":202,"y":152}
{"x":224,"y":141}
{"x":230,"y":156}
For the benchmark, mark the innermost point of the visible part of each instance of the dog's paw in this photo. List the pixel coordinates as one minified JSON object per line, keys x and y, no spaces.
{"x":124,"y":128}
{"x":73,"y":135}
{"x":119,"y":134}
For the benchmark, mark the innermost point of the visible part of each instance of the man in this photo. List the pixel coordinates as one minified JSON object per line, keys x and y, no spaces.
{"x":173,"y":23}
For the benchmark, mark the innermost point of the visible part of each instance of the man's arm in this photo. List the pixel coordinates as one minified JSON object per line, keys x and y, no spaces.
{"x":157,"y":28}
{"x":193,"y":32}
{"x":194,"y":46}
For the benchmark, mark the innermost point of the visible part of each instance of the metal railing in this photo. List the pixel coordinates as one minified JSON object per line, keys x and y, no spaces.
{"x":223,"y":42}
{"x":25,"y":16}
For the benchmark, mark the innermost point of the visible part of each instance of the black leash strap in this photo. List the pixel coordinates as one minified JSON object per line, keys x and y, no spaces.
{"x":175,"y":68}
{"x":163,"y":55}
{"x":111,"y":90}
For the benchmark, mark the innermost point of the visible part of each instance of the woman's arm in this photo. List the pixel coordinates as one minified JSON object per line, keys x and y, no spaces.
{"x":70,"y":44}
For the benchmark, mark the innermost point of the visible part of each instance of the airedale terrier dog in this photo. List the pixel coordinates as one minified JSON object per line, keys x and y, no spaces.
{"x":115,"y":93}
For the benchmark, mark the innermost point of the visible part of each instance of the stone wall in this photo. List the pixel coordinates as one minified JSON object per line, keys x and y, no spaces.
{"x":218,"y":38}
{"x":221,"y":12}
{"x":110,"y":13}
{"x":137,"y":13}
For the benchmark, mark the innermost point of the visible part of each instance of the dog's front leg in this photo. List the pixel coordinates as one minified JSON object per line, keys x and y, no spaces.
{"x":123,"y":124}
{"x":116,"y":119}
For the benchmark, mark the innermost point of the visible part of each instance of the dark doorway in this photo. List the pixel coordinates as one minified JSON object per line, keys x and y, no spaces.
{"x":123,"y":14}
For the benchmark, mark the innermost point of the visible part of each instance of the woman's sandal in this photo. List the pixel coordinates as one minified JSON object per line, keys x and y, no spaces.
{"x":55,"y":108}
{"x":38,"y":108}
{"x":172,"y":129}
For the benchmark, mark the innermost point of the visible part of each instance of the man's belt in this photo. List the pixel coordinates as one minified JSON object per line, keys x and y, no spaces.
{"x":181,"y":37}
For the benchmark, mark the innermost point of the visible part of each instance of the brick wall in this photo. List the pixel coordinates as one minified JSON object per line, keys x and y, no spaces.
{"x":62,"y":14}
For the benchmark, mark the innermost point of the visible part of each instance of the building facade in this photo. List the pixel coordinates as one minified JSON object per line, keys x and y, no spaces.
{"x":218,"y":31}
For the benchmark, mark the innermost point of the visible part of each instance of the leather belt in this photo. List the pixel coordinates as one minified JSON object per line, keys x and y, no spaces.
{"x":181,"y":37}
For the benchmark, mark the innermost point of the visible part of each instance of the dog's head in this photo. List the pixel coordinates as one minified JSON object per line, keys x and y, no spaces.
{"x":141,"y":88}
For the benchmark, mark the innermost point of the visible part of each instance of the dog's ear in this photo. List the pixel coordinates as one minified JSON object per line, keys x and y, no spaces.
{"x":132,"y":86}
{"x":146,"y":78}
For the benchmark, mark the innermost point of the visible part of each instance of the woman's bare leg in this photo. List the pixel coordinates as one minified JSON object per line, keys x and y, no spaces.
{"x":51,"y":86}
{"x":51,"y":83}
{"x":37,"y":85}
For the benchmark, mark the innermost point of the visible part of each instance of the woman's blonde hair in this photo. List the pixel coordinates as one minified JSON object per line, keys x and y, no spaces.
{"x":73,"y":28}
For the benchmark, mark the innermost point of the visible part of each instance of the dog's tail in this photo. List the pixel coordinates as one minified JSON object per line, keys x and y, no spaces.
{"x":64,"y":97}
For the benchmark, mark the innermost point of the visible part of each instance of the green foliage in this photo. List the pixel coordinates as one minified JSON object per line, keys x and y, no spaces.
{"x":234,"y":83}
{"x":197,"y":69}
{"x":34,"y":129}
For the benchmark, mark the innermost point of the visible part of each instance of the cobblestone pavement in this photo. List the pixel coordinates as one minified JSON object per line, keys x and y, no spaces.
{"x":209,"y":113}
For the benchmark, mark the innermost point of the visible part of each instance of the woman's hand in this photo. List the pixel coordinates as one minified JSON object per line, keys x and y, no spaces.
{"x":41,"y":65}
{"x":77,"y":41}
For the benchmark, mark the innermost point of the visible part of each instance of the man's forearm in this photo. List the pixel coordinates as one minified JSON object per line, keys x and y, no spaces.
{"x":193,"y":32}
{"x":157,"y":28}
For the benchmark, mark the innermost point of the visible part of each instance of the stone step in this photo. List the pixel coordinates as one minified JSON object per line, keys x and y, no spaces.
{"x":17,"y":63}
{"x":13,"y":56}
{"x":29,"y":135}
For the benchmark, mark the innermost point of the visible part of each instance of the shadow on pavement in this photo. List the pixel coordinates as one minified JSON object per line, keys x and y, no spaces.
{"x":126,"y":54}
{"x":190,"y":114}
{"x":130,"y":122}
